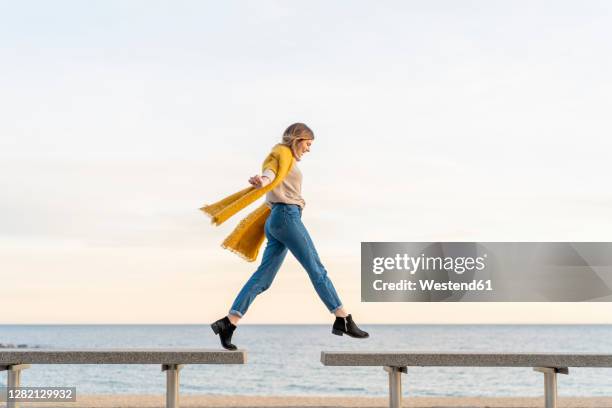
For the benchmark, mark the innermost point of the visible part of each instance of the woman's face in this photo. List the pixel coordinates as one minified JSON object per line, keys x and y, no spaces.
{"x":303,"y":146}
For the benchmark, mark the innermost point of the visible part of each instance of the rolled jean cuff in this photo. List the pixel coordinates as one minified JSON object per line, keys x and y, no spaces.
{"x":235,"y":313}
{"x":334,"y":310}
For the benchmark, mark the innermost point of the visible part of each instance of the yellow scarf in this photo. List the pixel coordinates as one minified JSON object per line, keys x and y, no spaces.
{"x":248,"y":236}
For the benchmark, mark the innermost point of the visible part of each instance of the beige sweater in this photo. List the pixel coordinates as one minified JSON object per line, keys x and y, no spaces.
{"x":289,"y":191}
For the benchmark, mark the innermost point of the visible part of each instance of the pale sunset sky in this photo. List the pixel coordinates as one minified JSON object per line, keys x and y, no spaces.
{"x":434,"y":121}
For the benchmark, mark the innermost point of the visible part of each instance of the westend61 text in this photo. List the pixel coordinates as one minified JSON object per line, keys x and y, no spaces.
{"x":429,"y":284}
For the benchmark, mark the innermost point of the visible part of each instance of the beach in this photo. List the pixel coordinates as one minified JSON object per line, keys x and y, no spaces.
{"x":224,"y":401}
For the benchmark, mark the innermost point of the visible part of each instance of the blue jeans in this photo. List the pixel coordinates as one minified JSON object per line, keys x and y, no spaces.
{"x":285,"y":231}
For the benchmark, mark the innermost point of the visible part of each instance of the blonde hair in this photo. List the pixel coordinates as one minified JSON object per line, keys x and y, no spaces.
{"x":295,"y":133}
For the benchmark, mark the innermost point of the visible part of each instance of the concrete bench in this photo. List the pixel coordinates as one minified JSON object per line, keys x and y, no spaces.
{"x":396,"y":363}
{"x":171,"y":361}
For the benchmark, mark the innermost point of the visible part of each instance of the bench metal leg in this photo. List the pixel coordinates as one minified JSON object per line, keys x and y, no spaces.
{"x":550,"y":384}
{"x":172,"y":384}
{"x":13,"y":374}
{"x":395,"y":385}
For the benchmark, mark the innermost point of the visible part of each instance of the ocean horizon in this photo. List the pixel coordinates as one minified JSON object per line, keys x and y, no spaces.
{"x":285,"y":359}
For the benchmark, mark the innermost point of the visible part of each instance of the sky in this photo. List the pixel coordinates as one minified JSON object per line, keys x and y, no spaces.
{"x":433,"y":120}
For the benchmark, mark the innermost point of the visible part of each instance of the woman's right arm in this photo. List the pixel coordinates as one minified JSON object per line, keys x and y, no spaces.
{"x":261,"y":181}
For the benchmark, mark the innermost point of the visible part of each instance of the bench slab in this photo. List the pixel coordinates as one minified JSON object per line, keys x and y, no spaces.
{"x":464,"y":359}
{"x":121,"y":356}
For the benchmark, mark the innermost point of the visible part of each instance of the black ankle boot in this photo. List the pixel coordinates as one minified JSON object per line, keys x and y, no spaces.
{"x":224,"y":328}
{"x":346,"y":325}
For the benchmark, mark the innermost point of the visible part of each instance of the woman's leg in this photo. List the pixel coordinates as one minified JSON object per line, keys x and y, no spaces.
{"x":262,"y":278}
{"x":295,"y":237}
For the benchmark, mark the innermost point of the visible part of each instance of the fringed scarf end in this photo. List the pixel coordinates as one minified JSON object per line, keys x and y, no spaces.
{"x":206,"y":211}
{"x":237,"y":252}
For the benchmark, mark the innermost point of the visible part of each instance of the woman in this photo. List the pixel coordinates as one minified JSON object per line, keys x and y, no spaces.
{"x":285,"y":232}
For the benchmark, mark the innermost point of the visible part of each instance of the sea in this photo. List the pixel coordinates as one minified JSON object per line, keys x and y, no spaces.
{"x":285,"y":359}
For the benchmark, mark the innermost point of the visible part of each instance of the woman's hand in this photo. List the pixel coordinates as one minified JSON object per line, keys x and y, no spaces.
{"x":256,"y":181}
